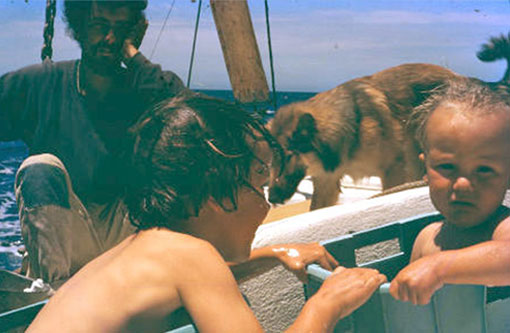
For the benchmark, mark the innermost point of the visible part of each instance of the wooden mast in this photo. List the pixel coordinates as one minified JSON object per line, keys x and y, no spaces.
{"x":240,"y":50}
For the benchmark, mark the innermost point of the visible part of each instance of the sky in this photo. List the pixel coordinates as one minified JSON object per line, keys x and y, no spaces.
{"x":317,"y":44}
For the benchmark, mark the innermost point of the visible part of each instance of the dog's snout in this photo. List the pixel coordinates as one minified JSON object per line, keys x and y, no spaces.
{"x":276,"y":195}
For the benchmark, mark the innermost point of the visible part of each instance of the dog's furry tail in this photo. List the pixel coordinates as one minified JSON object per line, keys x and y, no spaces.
{"x":497,"y":48}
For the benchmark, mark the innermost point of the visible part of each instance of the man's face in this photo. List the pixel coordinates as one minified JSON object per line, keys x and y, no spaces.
{"x":106,"y":31}
{"x":468,"y":163}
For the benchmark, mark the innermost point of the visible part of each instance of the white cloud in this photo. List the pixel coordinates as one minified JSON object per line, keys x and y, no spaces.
{"x":405,"y":17}
{"x":313,"y":49}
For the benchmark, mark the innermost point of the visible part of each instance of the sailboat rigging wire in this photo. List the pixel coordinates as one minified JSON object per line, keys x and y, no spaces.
{"x":161,"y":31}
{"x":194,"y":44}
{"x":270,"y":55}
{"x":47,"y":51}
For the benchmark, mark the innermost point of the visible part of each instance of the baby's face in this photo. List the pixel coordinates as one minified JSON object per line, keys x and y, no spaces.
{"x":468,"y":164}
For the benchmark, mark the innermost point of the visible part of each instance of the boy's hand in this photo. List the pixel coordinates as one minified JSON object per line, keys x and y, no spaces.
{"x":295,"y":257}
{"x":344,"y":291}
{"x":134,"y":39}
{"x":417,"y":282}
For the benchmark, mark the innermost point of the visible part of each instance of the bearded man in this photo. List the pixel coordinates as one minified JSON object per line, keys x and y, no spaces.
{"x":74,"y":117}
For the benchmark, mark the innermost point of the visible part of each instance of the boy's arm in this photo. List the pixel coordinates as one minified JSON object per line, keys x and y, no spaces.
{"x":294,"y":257}
{"x":341,"y":293}
{"x":487,"y":263}
{"x":210,"y":294}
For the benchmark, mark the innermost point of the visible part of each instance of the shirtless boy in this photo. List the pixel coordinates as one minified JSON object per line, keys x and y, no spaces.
{"x":465,"y":133}
{"x":197,"y":201}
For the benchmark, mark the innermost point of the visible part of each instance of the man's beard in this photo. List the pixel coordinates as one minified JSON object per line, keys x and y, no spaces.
{"x":103,"y":64}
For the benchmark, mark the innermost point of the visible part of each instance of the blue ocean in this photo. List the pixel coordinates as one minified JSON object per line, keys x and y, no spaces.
{"x":13,"y":153}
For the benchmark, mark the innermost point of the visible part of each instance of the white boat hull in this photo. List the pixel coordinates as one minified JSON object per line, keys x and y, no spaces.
{"x":277,"y":296}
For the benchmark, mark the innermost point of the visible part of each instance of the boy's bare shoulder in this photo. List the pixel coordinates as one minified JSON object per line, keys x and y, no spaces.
{"x":176,"y":249}
{"x":205,"y":285}
{"x":145,"y":273}
{"x":425,"y":241}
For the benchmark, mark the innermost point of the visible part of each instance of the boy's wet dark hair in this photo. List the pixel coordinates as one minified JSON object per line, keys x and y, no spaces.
{"x":189,"y":150}
{"x":77,"y":12}
{"x":478,"y":97}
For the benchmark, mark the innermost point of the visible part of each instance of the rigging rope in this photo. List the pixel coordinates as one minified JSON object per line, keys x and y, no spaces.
{"x":270,"y":55}
{"x":161,"y":31}
{"x":194,"y":44}
{"x":47,"y":51}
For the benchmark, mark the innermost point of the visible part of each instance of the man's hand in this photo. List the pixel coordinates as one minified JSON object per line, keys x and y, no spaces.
{"x":134,"y":39}
{"x":295,"y":257}
{"x":417,"y":282}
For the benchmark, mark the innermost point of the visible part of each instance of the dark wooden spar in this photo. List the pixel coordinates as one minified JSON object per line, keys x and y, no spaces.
{"x":240,"y":50}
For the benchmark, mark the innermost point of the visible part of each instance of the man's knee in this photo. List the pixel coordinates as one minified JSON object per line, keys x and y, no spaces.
{"x":41,"y":180}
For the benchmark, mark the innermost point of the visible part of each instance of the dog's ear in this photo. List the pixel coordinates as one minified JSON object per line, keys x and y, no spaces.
{"x":304,"y":139}
{"x":303,"y":135}
{"x":329,"y":157}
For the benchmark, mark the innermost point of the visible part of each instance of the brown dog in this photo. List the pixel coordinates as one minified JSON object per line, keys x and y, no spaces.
{"x":358,"y":128}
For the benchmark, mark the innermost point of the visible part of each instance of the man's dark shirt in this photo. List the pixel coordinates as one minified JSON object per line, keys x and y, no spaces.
{"x":41,"y":105}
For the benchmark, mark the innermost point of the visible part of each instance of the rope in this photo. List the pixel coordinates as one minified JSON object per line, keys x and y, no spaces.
{"x":47,"y":51}
{"x":401,"y":187}
{"x":270,"y":55}
{"x":161,"y":31}
{"x":194,"y":44}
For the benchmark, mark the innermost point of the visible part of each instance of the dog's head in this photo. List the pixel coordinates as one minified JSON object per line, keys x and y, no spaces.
{"x":297,"y":133}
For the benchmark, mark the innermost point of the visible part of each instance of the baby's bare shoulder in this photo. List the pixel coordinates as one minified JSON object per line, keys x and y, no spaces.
{"x":424,"y":244}
{"x":502,"y":231}
{"x":429,"y":232}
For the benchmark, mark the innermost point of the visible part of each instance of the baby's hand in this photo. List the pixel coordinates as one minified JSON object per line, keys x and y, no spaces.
{"x":295,"y":257}
{"x":417,"y":282}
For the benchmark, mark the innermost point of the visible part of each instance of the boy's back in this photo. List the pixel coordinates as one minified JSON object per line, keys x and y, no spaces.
{"x":135,"y":286}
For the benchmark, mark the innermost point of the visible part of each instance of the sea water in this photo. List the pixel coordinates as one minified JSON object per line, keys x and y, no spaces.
{"x":11,"y":156}
{"x":13,"y":153}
